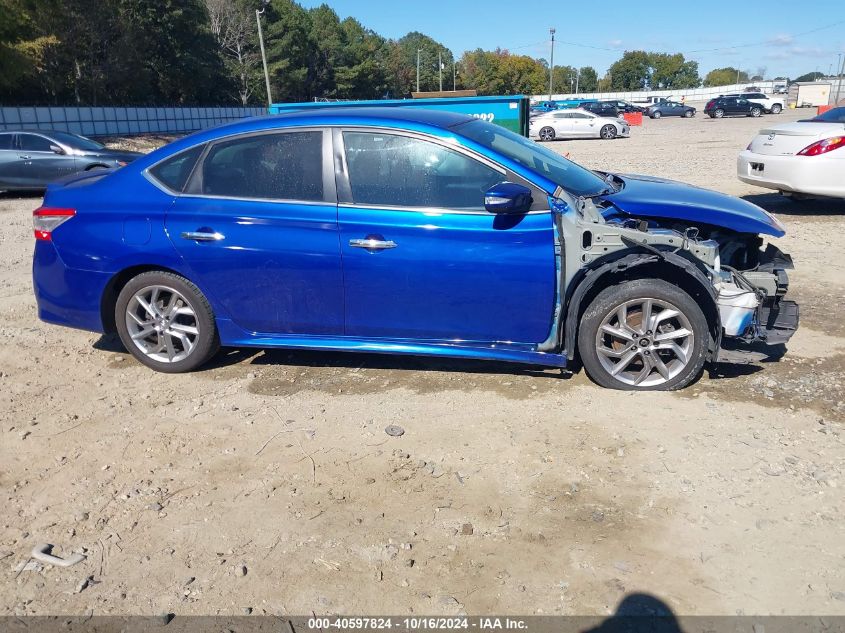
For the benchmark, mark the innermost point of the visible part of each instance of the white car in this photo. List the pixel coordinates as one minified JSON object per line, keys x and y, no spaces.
{"x":805,"y":158}
{"x":575,"y":123}
{"x":771,"y":104}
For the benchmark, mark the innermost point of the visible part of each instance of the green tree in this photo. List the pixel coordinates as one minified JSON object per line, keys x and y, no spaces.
{"x":403,"y":64}
{"x":588,"y":79}
{"x":725,"y":76}
{"x":22,"y":48}
{"x":290,"y":51}
{"x":814,"y":76}
{"x":632,"y":72}
{"x":672,"y":71}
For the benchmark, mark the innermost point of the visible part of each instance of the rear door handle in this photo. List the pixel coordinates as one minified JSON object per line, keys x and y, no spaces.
{"x":24,"y":157}
{"x":203,"y":236}
{"x":372,"y":244}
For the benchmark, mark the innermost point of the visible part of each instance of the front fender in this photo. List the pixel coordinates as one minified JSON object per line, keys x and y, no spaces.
{"x":637,"y":263}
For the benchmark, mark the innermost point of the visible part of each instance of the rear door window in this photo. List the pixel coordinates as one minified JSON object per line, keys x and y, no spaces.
{"x":33,"y":143}
{"x":278,"y":166}
{"x":6,"y":141}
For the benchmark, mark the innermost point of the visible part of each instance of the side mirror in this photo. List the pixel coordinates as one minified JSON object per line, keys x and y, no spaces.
{"x":56,"y":149}
{"x":508,"y":197}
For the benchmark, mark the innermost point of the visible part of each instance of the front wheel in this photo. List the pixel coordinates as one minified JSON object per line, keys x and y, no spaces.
{"x":547,"y":133}
{"x":166,"y":322}
{"x":608,"y":132}
{"x":656,"y":115}
{"x":689,"y":114}
{"x":643,"y":335}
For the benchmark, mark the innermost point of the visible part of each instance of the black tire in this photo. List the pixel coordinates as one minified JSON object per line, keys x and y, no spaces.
{"x":609,"y":300}
{"x":755,"y":112}
{"x":548,"y":132}
{"x":656,"y":115}
{"x":207,"y":341}
{"x":718,"y":113}
{"x":608,"y":132}
{"x":777,"y":108}
{"x":688,"y":114}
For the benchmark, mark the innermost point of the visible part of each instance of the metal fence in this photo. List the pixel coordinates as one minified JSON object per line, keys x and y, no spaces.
{"x":109,"y":121}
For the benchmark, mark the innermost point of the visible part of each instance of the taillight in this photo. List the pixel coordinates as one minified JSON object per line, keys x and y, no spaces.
{"x":46,"y":219}
{"x":822,"y":147}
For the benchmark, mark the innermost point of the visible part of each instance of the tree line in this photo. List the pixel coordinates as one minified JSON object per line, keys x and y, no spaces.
{"x":192,"y":52}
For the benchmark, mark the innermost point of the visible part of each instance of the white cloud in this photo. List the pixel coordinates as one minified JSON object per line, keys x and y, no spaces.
{"x":615,"y":43}
{"x":780,"y":40}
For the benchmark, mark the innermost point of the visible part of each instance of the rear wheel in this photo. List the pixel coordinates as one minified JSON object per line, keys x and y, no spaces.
{"x":755,"y":112}
{"x":718,"y":113}
{"x":643,"y":335}
{"x":608,"y":131}
{"x":777,"y":108}
{"x":166,"y":322}
{"x":547,"y":133}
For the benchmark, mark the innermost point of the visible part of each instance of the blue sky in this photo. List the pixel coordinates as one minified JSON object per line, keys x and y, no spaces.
{"x":754,"y":35}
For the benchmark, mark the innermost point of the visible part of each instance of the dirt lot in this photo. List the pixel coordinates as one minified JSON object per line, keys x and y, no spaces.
{"x":267,"y":481}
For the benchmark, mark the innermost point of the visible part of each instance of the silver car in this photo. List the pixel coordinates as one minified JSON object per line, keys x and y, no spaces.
{"x":575,"y":123}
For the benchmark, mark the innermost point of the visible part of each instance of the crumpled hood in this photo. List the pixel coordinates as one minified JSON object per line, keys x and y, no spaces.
{"x":646,"y":196}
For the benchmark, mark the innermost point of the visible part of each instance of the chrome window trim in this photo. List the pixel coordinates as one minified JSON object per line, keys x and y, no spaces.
{"x":208,"y":196}
{"x":430,"y":210}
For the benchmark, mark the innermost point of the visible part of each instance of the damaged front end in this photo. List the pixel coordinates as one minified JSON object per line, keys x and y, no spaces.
{"x":740,"y":283}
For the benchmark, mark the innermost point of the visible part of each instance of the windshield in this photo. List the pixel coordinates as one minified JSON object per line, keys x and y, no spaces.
{"x":76,"y":142}
{"x":572,"y":177}
{"x":836,"y":115}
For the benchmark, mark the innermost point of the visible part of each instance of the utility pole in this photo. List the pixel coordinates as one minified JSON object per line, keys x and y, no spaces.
{"x":440,"y":68}
{"x":454,"y":75}
{"x":418,"y":69}
{"x":263,"y":54}
{"x":577,"y":79}
{"x":737,"y":76}
{"x":839,"y":83}
{"x":552,"y":65}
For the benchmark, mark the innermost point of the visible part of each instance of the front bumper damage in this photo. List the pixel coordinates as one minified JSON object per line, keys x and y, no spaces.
{"x":757,"y":321}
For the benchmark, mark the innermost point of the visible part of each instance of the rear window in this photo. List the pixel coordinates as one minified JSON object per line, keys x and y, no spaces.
{"x":173,"y":172}
{"x":834,"y":115}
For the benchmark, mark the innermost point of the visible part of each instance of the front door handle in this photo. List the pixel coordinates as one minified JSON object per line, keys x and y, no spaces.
{"x":203,"y":236}
{"x":373,"y":244}
{"x":24,"y":156}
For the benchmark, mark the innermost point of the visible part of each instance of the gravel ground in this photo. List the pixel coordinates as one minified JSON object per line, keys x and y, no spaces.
{"x":266,"y":482}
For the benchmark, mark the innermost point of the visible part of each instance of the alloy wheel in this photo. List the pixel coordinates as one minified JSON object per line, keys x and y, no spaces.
{"x":162,"y":324}
{"x":547,"y":134}
{"x":645,"y":342}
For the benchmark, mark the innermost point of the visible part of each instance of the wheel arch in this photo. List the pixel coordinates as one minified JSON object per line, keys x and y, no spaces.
{"x":638,"y":264}
{"x":108,"y":300}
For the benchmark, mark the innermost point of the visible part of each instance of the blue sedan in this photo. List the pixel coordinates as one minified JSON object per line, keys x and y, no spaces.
{"x":408,"y":231}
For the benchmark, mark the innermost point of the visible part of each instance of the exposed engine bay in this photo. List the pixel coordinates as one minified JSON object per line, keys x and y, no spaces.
{"x":747,"y":279}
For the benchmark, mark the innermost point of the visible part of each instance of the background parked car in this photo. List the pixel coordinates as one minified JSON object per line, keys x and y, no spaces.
{"x":732,"y":106}
{"x":576,"y":123}
{"x":601,"y":108}
{"x":805,"y":158}
{"x":670,"y":108}
{"x":32,"y":159}
{"x":773,"y":105}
